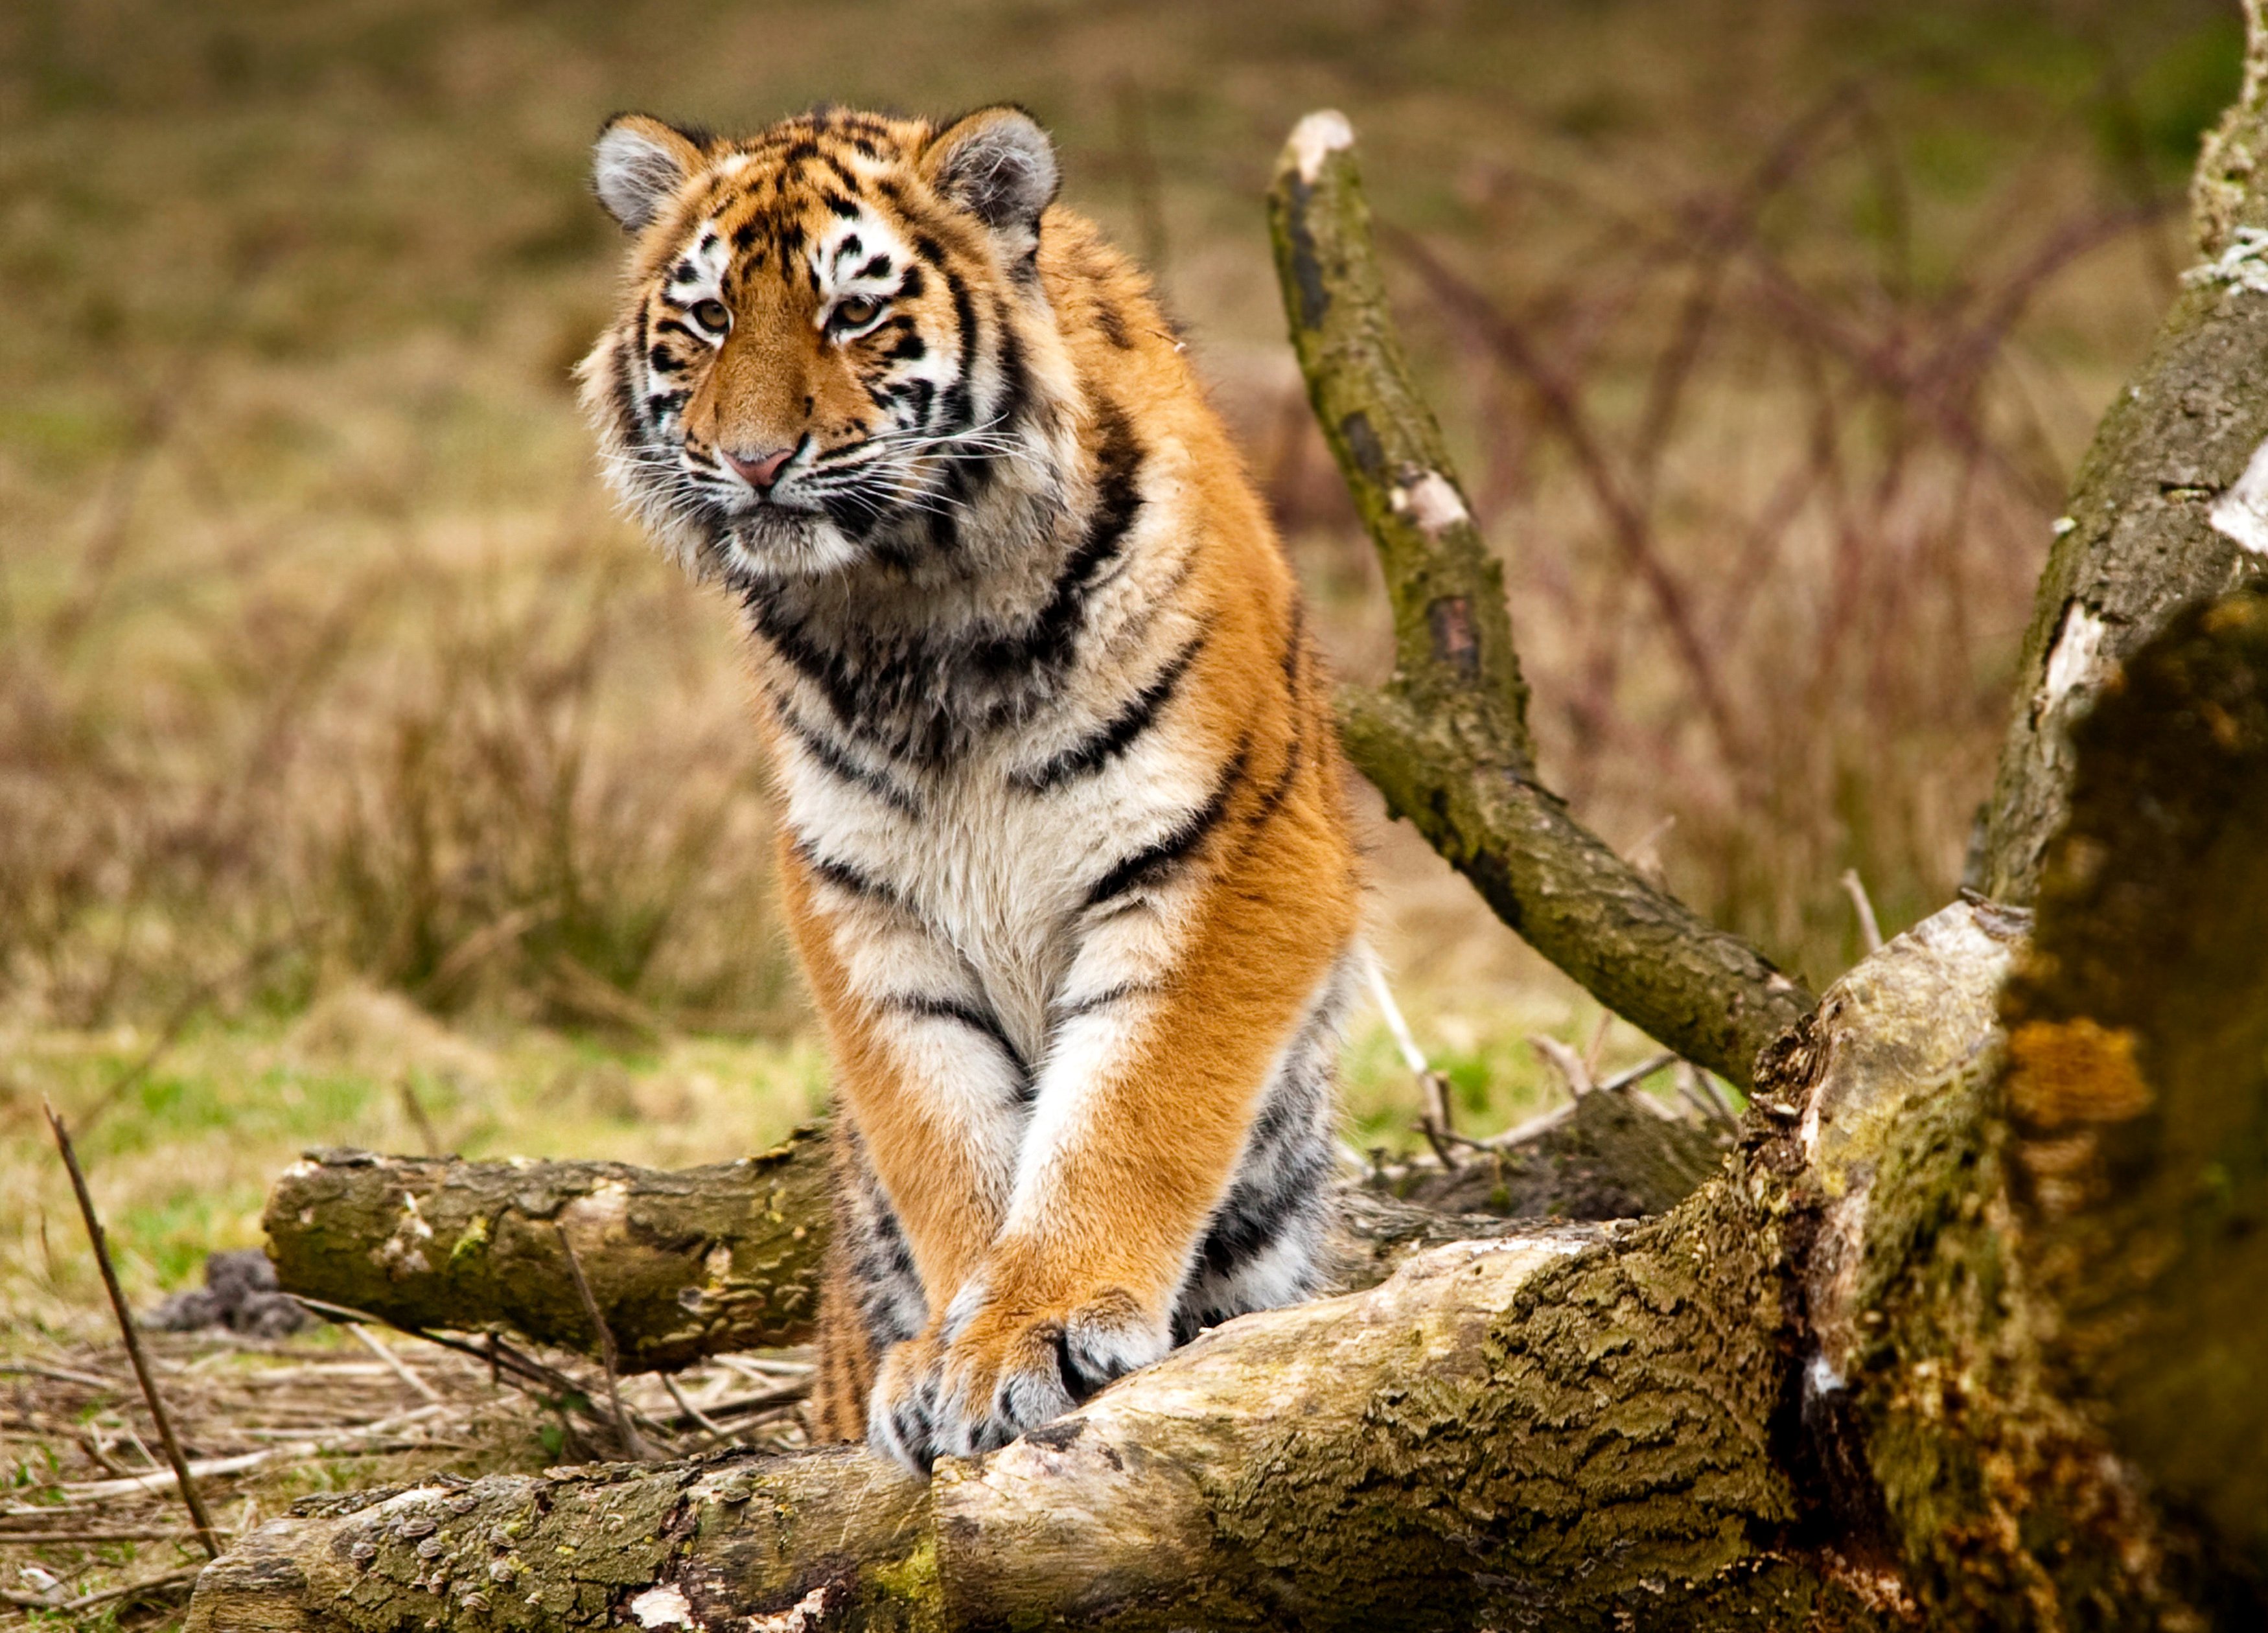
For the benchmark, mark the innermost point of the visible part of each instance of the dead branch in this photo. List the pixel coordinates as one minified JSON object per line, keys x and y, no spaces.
{"x":184,"y":1473}
{"x":1446,"y":740}
{"x":2170,"y":504}
{"x":681,"y":1265}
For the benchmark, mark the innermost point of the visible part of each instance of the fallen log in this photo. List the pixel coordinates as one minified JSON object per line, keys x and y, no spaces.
{"x":681,"y":1265}
{"x":1860,"y":1378}
{"x":714,"y":1259}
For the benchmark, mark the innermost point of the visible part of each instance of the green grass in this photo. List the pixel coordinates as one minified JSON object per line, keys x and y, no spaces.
{"x":291,"y":485}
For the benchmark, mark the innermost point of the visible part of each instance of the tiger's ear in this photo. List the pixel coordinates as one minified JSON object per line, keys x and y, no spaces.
{"x":638,"y":166}
{"x":1000,"y":166}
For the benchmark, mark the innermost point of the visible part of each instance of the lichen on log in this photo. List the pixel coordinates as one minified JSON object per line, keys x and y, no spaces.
{"x":681,"y":1265}
{"x":1446,"y":740}
{"x":2138,"y":1080}
{"x":702,"y":1261}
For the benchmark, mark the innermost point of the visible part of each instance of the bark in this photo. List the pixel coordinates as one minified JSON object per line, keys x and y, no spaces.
{"x":1525,"y":1428}
{"x":2170,"y":504}
{"x":1446,"y":740}
{"x":2138,"y":1092}
{"x":681,"y":1265}
{"x":1961,"y":1336}
{"x":710,"y":1261}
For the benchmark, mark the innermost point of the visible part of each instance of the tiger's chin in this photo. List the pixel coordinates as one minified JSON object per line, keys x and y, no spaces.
{"x":772,"y":545}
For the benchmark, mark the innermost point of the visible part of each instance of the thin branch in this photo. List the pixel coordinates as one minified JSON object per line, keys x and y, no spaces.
{"x":394,"y":1363}
{"x":632,"y":1442}
{"x":195,"y":1503}
{"x":1870,"y":930}
{"x":1434,"y":1120}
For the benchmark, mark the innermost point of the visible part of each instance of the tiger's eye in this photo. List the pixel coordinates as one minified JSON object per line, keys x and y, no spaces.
{"x":712,"y":315}
{"x":854,"y":313}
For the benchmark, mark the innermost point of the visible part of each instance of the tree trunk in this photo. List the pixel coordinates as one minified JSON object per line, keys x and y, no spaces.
{"x":2171,"y":503}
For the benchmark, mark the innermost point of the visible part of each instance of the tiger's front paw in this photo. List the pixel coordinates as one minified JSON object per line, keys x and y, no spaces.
{"x":994,"y":1371}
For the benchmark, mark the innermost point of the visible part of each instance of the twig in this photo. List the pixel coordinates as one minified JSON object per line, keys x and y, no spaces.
{"x":632,"y":1442}
{"x":157,"y":1413}
{"x":400,"y":1368}
{"x":342,"y":1442}
{"x":1434,"y":1119}
{"x":143,"y":1534}
{"x":718,"y":1433}
{"x":415,"y":1108}
{"x":500,"y":1356}
{"x":1597,"y":1046}
{"x":1870,"y":931}
{"x":88,"y":1601}
{"x":1565,"y":1062}
{"x":58,"y":1374}
{"x":1639,"y":1073}
{"x":1712,"y":1110}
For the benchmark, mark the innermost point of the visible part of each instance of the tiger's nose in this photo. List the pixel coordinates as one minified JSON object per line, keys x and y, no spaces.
{"x":760,"y":471}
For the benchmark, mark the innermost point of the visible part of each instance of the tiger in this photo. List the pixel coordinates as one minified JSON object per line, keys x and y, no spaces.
{"x":1064,"y":850}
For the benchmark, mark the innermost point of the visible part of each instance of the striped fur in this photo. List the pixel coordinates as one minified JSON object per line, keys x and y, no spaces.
{"x":1065,"y":850}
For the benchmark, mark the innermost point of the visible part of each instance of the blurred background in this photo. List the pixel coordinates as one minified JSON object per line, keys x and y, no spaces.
{"x":365,"y":780}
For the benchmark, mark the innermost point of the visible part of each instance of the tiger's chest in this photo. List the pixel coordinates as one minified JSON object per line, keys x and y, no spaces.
{"x":991,"y":876}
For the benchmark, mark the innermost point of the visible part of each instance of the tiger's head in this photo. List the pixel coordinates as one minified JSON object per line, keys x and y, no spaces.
{"x":833,"y":346}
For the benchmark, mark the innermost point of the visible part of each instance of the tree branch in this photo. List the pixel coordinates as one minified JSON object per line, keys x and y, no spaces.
{"x":1447,"y":741}
{"x":2170,"y":504}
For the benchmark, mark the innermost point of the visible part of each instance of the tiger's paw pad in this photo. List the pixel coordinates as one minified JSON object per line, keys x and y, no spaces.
{"x":1000,"y":1373}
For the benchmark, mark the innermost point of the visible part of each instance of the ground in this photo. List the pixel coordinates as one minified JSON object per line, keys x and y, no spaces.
{"x":364,"y":781}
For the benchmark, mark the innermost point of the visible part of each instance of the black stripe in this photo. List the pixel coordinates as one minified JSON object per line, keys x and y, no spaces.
{"x":1151,"y":863}
{"x":1048,"y":638}
{"x":1059,"y":1013}
{"x":969,"y":1015}
{"x":1015,"y":377}
{"x":842,"y":876}
{"x":841,"y":766}
{"x":1294,"y":758}
{"x":1119,"y":734}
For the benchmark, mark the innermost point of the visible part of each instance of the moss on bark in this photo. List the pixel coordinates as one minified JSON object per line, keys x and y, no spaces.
{"x":681,"y":1264}
{"x":1446,"y":742}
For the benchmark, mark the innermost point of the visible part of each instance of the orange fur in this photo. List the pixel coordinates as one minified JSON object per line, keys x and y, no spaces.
{"x":1097,"y":1232}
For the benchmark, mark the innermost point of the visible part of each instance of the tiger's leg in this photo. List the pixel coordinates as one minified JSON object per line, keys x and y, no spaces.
{"x":1142,"y":1116}
{"x":1272,"y":1240}
{"x":872,"y":1296}
{"x":930,"y":1100}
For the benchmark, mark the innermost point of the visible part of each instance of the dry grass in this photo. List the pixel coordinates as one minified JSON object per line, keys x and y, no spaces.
{"x":324,"y":657}
{"x":265,"y":1422}
{"x":360,"y":776}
